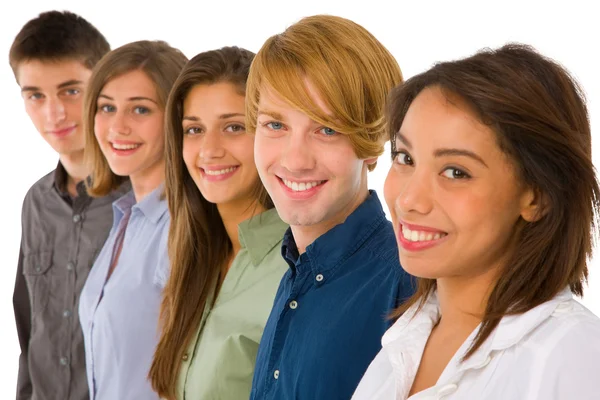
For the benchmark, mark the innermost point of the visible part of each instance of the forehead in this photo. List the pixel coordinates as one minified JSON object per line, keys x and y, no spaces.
{"x":208,"y":96}
{"x":438,"y":117}
{"x":50,"y":73}
{"x":130,"y":84}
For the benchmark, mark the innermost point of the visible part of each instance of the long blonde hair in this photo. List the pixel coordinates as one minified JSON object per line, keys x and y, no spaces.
{"x":351,"y":69}
{"x":161,"y":62}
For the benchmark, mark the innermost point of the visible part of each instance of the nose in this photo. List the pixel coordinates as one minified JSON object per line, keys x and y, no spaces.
{"x":298,"y":154}
{"x":212,"y":146}
{"x":413,"y":191}
{"x":55,"y":111}
{"x":119,"y":124}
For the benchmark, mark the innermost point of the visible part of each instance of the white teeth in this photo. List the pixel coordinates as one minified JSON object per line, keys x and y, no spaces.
{"x":118,"y":146}
{"x":302,"y":186}
{"x":220,"y":172}
{"x":420,"y":236}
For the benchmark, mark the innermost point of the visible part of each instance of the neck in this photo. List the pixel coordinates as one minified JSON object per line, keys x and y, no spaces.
{"x":76,"y":169}
{"x":233,"y":214}
{"x":146,"y":181}
{"x":463,"y":300}
{"x":305,"y":235}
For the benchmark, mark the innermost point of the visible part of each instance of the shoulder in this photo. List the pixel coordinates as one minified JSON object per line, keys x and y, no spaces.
{"x":39,"y":188}
{"x":566,"y":349}
{"x":382,"y":243}
{"x":571,"y":331}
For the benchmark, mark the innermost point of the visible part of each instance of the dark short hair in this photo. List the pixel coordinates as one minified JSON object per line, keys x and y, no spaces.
{"x":58,"y":35}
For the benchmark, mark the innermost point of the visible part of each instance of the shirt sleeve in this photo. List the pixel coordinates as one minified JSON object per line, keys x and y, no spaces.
{"x":22,"y":309}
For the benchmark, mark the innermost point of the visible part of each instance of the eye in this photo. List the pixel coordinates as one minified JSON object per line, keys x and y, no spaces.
{"x":141,"y":110}
{"x":107,"y":108}
{"x":193,"y":130}
{"x":274,"y":125}
{"x":235,"y":128}
{"x":455,"y":173}
{"x":72,"y":92}
{"x":402,"y":158}
{"x":35,"y":96}
{"x":327,"y":131}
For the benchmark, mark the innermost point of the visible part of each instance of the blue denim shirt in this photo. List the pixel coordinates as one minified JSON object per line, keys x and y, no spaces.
{"x":331,"y":310}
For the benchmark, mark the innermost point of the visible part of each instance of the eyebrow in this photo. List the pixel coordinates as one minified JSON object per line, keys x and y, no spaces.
{"x":136,"y":98}
{"x":445,"y":152}
{"x":71,"y":82}
{"x":222,"y":116}
{"x":272,"y":114}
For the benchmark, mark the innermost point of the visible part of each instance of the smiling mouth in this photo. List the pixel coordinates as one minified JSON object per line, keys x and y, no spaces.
{"x":130,"y":146}
{"x":421,"y":236}
{"x":63,"y":131}
{"x":301,"y":186}
{"x":218,"y":172}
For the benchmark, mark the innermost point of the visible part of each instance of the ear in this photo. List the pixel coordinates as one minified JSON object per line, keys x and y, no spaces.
{"x":371,"y":161}
{"x":534,"y":205}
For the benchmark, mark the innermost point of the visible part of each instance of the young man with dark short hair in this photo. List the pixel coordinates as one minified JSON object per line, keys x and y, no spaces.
{"x":63,"y":228}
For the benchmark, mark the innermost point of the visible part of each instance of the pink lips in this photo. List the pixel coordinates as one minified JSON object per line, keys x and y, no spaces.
{"x":421,"y":244}
{"x":300,"y":195}
{"x":209,"y":172}
{"x":60,"y":133}
{"x":124,"y":152}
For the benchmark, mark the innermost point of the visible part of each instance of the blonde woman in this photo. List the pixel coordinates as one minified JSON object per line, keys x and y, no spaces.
{"x":119,"y":307}
{"x":315,"y":100}
{"x":224,"y":241}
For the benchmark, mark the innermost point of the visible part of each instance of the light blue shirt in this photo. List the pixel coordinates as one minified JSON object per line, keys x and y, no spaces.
{"x":119,"y":317}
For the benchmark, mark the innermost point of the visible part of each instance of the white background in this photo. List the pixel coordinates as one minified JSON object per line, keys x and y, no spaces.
{"x":418,"y":33}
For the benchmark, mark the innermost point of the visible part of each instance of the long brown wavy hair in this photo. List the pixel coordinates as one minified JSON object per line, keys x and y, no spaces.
{"x":199,"y":246}
{"x":540,"y":118}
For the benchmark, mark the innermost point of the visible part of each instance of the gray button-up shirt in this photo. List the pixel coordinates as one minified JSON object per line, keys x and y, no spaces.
{"x":61,"y":237}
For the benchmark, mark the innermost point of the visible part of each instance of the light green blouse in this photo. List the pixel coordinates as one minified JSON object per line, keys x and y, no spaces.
{"x":219,"y":363}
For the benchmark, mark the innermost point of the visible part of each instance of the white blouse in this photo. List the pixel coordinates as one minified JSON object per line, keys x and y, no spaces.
{"x":551,"y":352}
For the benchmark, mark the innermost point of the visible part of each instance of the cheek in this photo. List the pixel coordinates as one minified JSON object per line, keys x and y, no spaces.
{"x":243,"y":150}
{"x":191,"y":150}
{"x":485,"y":213}
{"x":265,"y":152}
{"x":391,"y":190}
{"x":100,"y":127}
{"x":339,"y":160}
{"x":152,"y":131}
{"x":74,"y":109}
{"x":35,"y":114}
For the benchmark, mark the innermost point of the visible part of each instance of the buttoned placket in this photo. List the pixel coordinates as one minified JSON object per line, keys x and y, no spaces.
{"x":120,"y":234}
{"x":450,"y":385}
{"x":78,"y":207}
{"x":292,"y":304}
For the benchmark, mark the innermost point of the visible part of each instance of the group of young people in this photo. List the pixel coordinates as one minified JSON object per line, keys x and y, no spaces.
{"x":209,"y":233}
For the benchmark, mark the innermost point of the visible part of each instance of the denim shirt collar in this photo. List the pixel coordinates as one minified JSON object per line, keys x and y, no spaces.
{"x":335,"y":246}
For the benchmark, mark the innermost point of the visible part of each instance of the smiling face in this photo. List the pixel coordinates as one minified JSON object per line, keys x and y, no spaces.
{"x":311,"y":172}
{"x":217,"y":151}
{"x":453,"y":194}
{"x":129,"y":127}
{"x":53,"y":96}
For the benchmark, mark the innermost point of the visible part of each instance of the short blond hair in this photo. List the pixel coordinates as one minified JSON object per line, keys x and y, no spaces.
{"x":352,"y":71}
{"x":161,"y":62}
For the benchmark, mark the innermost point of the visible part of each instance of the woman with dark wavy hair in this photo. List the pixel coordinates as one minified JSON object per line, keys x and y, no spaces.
{"x":494,"y":200}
